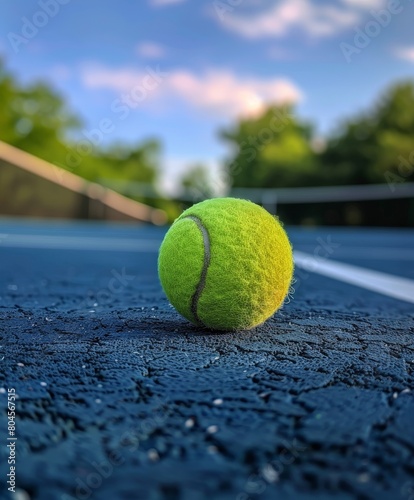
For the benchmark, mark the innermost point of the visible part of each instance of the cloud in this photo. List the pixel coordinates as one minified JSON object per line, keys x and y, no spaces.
{"x":310,"y":16}
{"x":216,"y":92}
{"x":122,"y":80}
{"x":162,"y":3}
{"x":150,"y":50}
{"x":405,"y":53}
{"x":222,"y":92}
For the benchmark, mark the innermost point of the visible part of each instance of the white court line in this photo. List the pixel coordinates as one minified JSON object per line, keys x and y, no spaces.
{"x":387,"y":284}
{"x":79,"y":243}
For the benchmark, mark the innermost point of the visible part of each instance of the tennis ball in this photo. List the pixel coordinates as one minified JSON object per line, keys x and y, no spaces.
{"x":226,"y":264}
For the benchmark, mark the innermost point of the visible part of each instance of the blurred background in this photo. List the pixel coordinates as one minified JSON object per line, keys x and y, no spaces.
{"x":135,"y":110}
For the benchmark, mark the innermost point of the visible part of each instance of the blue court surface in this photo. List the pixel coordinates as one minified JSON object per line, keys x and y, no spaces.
{"x":121,"y":398}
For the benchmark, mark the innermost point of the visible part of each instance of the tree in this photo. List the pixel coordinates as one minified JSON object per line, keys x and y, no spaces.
{"x":273,"y":150}
{"x":376,"y":146}
{"x":197,"y":183}
{"x":36,"y":119}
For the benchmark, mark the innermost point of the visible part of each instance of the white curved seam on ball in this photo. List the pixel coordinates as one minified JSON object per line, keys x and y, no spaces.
{"x":206,"y":263}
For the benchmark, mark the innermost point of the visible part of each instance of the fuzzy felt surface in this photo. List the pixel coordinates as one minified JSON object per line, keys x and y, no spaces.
{"x":249,"y":271}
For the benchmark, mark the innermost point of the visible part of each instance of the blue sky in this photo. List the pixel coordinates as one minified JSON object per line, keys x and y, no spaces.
{"x":181,"y":70}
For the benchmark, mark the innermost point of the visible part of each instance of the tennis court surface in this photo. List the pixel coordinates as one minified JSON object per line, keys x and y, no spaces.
{"x":121,"y":398}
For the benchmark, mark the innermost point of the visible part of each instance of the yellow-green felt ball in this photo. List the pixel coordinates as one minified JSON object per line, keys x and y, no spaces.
{"x":226,"y":264}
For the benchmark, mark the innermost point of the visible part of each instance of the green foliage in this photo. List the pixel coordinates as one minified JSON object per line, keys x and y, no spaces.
{"x":273,"y":150}
{"x":120,"y":162}
{"x":371,"y":147}
{"x":37,"y":120}
{"x":196,"y":183}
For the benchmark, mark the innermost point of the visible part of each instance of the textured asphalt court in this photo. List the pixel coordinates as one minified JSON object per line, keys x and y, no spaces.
{"x":121,"y":398}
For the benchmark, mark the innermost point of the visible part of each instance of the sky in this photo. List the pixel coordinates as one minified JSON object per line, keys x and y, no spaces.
{"x":182,"y":70}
